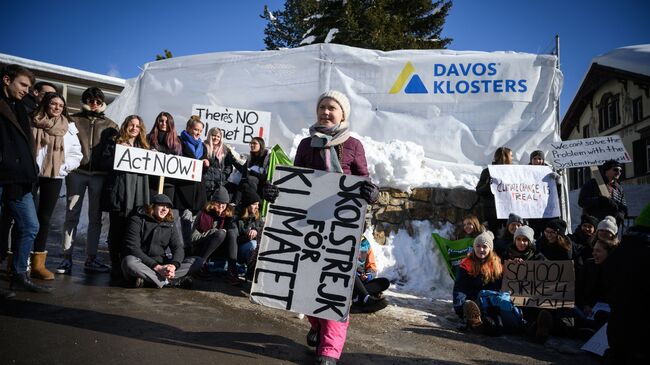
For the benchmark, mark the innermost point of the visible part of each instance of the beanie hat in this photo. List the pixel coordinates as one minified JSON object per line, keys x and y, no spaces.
{"x":161,"y":199}
{"x":590,"y":219}
{"x":608,"y":224}
{"x":486,"y":238}
{"x":610,"y":164}
{"x":513,"y":218}
{"x":643,"y":219}
{"x":364,"y":246}
{"x":526,"y":232}
{"x":220,"y":195}
{"x":537,"y":153}
{"x":558,"y":225}
{"x":249,"y":196}
{"x":340,"y":98}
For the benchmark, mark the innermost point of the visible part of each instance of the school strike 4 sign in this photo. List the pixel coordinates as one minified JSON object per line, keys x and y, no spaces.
{"x":308,"y":252}
{"x":543,"y":284}
{"x":528,"y":191}
{"x":140,"y":161}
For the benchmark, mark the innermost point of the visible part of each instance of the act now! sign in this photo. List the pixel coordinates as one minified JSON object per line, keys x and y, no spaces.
{"x":587,"y":152}
{"x":239,"y":126}
{"x":141,"y":161}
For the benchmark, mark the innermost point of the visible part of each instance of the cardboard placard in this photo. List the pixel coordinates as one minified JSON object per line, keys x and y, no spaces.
{"x":542,"y":284}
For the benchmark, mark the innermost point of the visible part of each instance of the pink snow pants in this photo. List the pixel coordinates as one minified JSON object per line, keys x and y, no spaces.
{"x":331,"y":336}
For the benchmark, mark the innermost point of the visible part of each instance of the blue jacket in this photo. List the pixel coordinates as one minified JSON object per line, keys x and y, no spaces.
{"x":466,"y":287}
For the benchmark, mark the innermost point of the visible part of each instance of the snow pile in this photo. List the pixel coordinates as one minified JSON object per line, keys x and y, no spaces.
{"x":414,"y":264}
{"x":631,"y":58}
{"x":402,"y":165}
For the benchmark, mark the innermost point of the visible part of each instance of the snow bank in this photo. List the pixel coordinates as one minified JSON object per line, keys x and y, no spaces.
{"x":414,"y":264}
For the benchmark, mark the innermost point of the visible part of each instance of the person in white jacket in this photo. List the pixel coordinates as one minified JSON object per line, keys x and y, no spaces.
{"x":58,"y":152}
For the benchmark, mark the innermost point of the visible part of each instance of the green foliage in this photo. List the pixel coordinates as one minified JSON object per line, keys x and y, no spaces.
{"x":168,"y":54}
{"x":375,"y":24}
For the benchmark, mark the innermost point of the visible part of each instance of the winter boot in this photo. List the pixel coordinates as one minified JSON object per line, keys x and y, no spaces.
{"x":472,"y":315}
{"x":39,"y":271}
{"x":544,"y":326}
{"x":232,"y":277}
{"x":313,"y":337}
{"x":22,"y":281}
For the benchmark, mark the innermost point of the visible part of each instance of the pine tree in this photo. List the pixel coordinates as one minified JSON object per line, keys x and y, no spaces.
{"x":376,"y":24}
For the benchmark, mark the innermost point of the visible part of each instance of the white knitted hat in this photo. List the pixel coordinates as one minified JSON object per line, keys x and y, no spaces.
{"x":608,"y":224}
{"x":340,"y":98}
{"x":486,"y":238}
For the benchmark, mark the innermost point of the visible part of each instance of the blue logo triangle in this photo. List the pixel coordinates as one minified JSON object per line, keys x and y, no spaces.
{"x":415,"y":86}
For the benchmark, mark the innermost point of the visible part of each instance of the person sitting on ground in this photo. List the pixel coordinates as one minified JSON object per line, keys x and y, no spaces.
{"x":249,"y":229}
{"x":480,"y":270}
{"x":593,"y":286}
{"x":150,"y":233}
{"x":368,"y":288}
{"x":506,"y":237}
{"x":472,"y":227}
{"x":213,"y":226}
{"x":584,"y":235}
{"x":539,"y":323}
{"x":555,"y":245}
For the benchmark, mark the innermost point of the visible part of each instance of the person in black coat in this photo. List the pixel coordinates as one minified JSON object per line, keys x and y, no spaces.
{"x":18,"y":170}
{"x":502,"y":156}
{"x":163,"y":139}
{"x":627,"y":269}
{"x":150,"y":233}
{"x":593,"y":203}
{"x":506,"y":238}
{"x":555,"y":245}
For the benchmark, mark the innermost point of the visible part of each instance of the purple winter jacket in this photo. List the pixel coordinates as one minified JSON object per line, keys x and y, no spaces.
{"x":353,"y":161}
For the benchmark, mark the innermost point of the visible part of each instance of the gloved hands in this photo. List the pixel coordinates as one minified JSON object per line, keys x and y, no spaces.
{"x":495,"y":181}
{"x":370,"y":192}
{"x":270,"y":192}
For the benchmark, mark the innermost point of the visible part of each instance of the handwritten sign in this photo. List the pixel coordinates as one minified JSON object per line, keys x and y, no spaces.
{"x":239,"y":126}
{"x":587,"y":152}
{"x":526,"y":190}
{"x":543,"y":284}
{"x":309,"y":248}
{"x":141,"y":161}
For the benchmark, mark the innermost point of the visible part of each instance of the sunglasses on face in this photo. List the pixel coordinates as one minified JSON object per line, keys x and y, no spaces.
{"x":95,"y":101}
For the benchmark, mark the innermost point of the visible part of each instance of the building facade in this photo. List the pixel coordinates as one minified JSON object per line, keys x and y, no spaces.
{"x":614,"y":99}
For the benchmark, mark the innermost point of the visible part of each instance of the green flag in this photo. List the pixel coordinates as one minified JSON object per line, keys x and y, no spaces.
{"x":453,"y":251}
{"x":278,"y":157}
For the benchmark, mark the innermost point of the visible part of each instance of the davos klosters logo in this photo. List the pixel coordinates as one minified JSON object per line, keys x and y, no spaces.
{"x":457,"y":78}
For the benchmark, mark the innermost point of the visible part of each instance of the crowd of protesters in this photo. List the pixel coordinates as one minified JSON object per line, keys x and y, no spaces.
{"x":220,"y":220}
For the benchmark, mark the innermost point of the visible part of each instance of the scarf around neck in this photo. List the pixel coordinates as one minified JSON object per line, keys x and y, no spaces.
{"x":326,"y":140}
{"x":49,"y":132}
{"x":195,"y":145}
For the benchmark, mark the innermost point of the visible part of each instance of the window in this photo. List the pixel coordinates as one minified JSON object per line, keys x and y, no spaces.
{"x":579,"y":176}
{"x":608,"y":115}
{"x":637,"y":109}
{"x":641,"y":156}
{"x":585,"y":131}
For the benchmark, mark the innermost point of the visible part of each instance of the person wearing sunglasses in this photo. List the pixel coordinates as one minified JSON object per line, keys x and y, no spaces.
{"x":612,"y":204}
{"x":96,"y":131}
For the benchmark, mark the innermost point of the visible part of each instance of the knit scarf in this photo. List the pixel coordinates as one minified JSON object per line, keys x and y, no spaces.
{"x":195,"y":145}
{"x":207,"y":219}
{"x":513,"y":253}
{"x":49,"y":132}
{"x":326,"y":139}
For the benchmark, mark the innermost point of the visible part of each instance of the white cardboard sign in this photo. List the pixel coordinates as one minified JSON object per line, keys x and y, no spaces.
{"x":587,"y":152}
{"x":141,"y":161}
{"x":239,"y":126}
{"x":526,"y":190}
{"x":308,"y":251}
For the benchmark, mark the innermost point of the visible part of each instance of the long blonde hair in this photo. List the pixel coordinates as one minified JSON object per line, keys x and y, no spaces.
{"x":490,"y":269}
{"x":142,"y":136}
{"x":214,"y":151}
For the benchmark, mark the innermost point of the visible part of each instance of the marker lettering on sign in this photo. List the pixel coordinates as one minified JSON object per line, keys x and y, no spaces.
{"x":295,"y":173}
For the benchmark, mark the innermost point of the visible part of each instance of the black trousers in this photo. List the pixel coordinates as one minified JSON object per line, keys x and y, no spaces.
{"x":48,"y":195}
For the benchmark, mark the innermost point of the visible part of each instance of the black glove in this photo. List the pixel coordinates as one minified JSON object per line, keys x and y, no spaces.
{"x":370,"y":192}
{"x":270,"y":192}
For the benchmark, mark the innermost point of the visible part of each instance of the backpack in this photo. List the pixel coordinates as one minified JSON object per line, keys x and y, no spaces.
{"x":498,"y":311}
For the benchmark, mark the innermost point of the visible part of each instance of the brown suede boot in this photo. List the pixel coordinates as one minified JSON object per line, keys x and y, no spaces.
{"x":39,"y":271}
{"x":472,"y":314}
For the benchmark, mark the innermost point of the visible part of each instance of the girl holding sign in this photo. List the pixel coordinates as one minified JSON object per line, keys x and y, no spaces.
{"x":502,"y":156}
{"x":163,"y":139}
{"x":331,"y":148}
{"x":125,"y":191}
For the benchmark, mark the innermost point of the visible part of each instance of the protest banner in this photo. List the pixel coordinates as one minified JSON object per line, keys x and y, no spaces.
{"x":526,"y":190}
{"x":453,"y":251}
{"x":587,"y":152}
{"x":310,"y":244}
{"x":141,"y":161}
{"x":239,"y":126}
{"x":542,"y":284}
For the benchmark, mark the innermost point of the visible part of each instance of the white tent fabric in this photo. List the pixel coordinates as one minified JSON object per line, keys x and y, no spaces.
{"x":459,"y":106}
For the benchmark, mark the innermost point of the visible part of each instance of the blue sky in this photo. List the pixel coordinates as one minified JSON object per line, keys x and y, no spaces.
{"x":117,"y":39}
